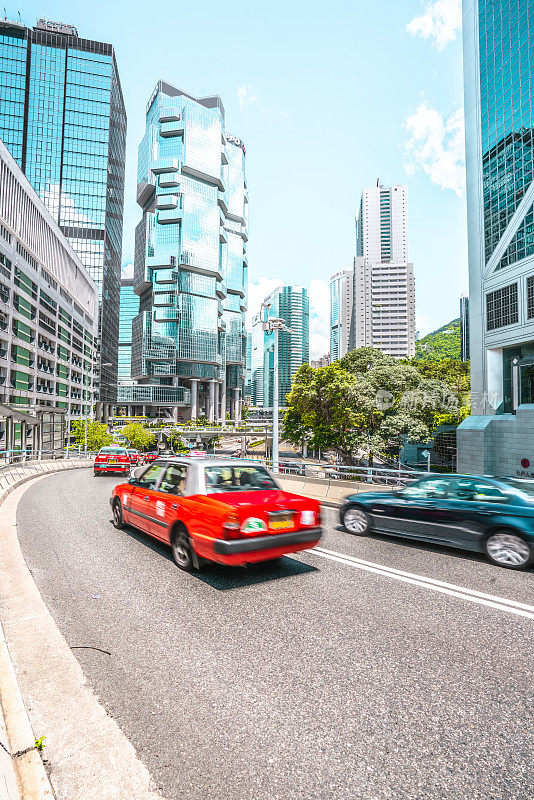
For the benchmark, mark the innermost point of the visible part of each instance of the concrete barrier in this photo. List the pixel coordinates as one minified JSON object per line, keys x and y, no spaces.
{"x":330,"y":492}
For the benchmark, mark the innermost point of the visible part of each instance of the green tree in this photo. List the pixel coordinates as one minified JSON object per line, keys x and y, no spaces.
{"x":97,"y":434}
{"x":139,"y":437}
{"x":364,"y":405}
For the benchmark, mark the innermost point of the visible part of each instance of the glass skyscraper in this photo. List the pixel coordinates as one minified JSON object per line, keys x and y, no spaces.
{"x":129,"y":309}
{"x":190,"y":264}
{"x":62,"y":117}
{"x":290,"y":303}
{"x":499,"y":97}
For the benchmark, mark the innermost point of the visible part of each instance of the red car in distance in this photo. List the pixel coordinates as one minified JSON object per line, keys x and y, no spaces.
{"x":134,"y":456}
{"x":149,"y":457}
{"x":222,"y":510}
{"x":112,"y":459}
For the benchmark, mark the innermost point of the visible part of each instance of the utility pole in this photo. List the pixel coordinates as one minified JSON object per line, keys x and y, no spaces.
{"x":274,"y":325}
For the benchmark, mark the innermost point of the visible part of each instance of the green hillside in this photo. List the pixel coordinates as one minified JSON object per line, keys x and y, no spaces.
{"x":443,"y":343}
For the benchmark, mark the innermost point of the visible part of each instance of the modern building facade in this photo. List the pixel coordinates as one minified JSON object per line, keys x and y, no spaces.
{"x":499,"y":91}
{"x":318,"y":363}
{"x":129,"y":309}
{"x":464,"y":328}
{"x":190,"y":264}
{"x":290,"y":303}
{"x":341,"y":302}
{"x":256,"y":361}
{"x":62,"y":117}
{"x":48,"y":321}
{"x":383,"y":314}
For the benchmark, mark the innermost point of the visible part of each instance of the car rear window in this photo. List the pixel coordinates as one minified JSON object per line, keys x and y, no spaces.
{"x":113,"y":451}
{"x":238,"y":479}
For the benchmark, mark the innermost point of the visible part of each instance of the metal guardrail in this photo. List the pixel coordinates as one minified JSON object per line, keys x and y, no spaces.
{"x":386,"y":476}
{"x":12,"y":457}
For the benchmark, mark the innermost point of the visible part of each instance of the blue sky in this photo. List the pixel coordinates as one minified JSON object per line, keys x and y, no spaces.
{"x":327,"y":97}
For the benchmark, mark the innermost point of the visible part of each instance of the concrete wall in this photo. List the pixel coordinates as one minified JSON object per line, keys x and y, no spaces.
{"x":496,"y":445}
{"x":328,"y":491}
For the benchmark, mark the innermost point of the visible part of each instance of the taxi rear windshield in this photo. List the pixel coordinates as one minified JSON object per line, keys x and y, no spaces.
{"x":113,"y":451}
{"x":237,"y":479}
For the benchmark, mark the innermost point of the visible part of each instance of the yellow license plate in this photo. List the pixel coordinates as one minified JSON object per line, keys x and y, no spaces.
{"x":281,"y":524}
{"x":112,"y":461}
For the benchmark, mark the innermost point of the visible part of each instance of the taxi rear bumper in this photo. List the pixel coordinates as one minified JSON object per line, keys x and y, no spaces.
{"x":228,"y":547}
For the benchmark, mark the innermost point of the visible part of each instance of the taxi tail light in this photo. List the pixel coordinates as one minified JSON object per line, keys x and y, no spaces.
{"x":99,"y":459}
{"x":231,"y":527}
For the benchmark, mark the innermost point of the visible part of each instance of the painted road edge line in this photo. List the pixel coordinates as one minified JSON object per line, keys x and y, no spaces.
{"x":419,"y":580}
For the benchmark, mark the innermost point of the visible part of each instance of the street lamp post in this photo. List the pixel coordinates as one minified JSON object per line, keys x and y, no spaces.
{"x":274,"y":325}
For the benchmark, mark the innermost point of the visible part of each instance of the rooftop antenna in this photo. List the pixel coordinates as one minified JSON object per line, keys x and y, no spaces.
{"x":5,"y":13}
{"x":20,"y":20}
{"x":377,"y":180}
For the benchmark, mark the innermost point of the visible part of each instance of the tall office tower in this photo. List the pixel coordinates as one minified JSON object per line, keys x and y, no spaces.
{"x":464,"y":328}
{"x":48,"y":321}
{"x":190,"y":264}
{"x":62,"y":117}
{"x":341,"y":302}
{"x":257,"y":356}
{"x":290,"y":303}
{"x":383,"y":313}
{"x":498,"y":88}
{"x":129,"y":309}
{"x":248,"y":371}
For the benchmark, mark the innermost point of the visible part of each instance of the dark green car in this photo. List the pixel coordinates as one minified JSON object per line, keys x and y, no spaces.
{"x":486,"y":515}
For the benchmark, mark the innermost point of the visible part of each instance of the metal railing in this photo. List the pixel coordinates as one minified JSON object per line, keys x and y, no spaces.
{"x":10,"y":457}
{"x":381,"y":475}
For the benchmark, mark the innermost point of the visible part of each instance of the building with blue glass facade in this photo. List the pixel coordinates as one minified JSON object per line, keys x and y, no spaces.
{"x":499,"y":97}
{"x":292,"y":304}
{"x":129,"y":309}
{"x":62,"y":117}
{"x":341,"y":302}
{"x":190,"y":263}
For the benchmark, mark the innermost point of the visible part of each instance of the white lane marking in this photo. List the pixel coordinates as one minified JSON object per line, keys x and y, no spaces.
{"x":462,"y":592}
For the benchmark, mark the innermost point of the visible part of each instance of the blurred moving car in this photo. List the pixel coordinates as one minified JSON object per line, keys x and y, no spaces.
{"x":484,"y":515}
{"x":134,"y":456}
{"x":112,"y":459}
{"x":216,"y":509}
{"x":149,"y":457}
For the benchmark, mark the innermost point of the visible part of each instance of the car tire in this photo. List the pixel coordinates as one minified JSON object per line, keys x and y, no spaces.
{"x":118,"y":519}
{"x":181,"y":550}
{"x":507,"y":548}
{"x":355,"y":520}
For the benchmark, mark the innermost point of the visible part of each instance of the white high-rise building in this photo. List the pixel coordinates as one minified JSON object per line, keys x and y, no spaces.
{"x":383,"y":314}
{"x":341,"y":301}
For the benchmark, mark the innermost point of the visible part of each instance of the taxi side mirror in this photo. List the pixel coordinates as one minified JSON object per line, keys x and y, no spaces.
{"x":133,"y":482}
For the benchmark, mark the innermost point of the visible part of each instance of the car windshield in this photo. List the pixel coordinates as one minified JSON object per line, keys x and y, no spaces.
{"x":238,"y":479}
{"x":132,"y":451}
{"x":112,"y":451}
{"x":526,"y":487}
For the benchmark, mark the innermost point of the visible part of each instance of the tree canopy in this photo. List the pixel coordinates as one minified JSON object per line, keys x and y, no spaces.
{"x":366,"y":403}
{"x":138,"y":436}
{"x":97,"y":434}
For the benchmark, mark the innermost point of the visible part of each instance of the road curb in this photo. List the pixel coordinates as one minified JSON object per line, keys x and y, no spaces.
{"x":43,"y":691}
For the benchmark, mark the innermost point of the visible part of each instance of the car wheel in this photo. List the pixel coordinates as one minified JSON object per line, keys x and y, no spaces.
{"x":118,"y":519}
{"x":509,"y":549}
{"x":355,"y":520}
{"x":181,"y":550}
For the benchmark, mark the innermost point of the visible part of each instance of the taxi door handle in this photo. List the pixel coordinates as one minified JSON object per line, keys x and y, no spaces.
{"x":147,"y":497}
{"x":174,"y":505}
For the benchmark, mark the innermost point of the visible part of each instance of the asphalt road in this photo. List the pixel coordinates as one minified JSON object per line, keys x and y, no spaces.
{"x":318,"y":679}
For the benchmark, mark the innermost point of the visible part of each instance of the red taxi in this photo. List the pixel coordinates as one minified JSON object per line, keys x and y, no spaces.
{"x":112,"y":459}
{"x":134,"y":456}
{"x":148,"y":457}
{"x":231,"y":512}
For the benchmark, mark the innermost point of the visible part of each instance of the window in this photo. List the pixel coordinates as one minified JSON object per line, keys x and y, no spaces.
{"x":477,"y":490}
{"x":502,"y":307}
{"x":238,"y":479}
{"x":149,"y":478}
{"x":174,"y":479}
{"x":530,"y":297}
{"x":422,"y":490}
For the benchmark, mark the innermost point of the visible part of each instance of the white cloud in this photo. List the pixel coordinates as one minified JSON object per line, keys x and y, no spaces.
{"x":257,"y":292}
{"x":319,"y":318}
{"x":440,"y":22}
{"x":247,"y":96}
{"x":436,"y":145}
{"x":127,"y":271}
